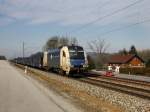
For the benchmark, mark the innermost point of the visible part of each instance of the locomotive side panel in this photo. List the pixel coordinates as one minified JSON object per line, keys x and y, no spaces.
{"x":45,"y":60}
{"x":37,"y":60}
{"x":54,"y":59}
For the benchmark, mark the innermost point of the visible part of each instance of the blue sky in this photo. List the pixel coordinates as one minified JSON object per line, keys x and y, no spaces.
{"x":34,"y":21}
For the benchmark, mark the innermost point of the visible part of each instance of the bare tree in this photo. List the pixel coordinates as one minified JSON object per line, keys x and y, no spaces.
{"x":63,"y":41}
{"x":123,"y":52}
{"x":99,"y":47}
{"x":73,"y":41}
{"x":52,"y":42}
{"x":145,"y":54}
{"x":56,"y":41}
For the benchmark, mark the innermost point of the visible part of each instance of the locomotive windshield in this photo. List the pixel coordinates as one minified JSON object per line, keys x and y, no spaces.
{"x":76,"y":52}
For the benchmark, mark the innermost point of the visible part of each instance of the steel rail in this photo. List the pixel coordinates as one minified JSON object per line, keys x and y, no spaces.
{"x":143,"y":93}
{"x":126,"y":80}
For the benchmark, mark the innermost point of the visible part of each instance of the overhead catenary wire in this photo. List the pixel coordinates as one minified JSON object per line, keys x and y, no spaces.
{"x":101,"y":6}
{"x":108,"y":15}
{"x":124,"y":27}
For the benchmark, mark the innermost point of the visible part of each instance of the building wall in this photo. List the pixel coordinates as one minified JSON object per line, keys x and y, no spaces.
{"x":135,"y":62}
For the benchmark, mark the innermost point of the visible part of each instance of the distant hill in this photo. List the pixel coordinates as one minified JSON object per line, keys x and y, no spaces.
{"x":2,"y":58}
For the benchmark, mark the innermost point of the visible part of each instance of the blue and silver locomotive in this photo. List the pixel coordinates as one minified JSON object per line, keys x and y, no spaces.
{"x":66,"y":59}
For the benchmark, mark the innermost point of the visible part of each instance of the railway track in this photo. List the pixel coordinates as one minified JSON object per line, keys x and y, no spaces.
{"x":118,"y":79}
{"x":128,"y":86}
{"x":140,"y":92}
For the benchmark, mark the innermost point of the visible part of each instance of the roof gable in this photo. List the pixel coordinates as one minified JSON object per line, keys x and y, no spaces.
{"x":122,"y":59}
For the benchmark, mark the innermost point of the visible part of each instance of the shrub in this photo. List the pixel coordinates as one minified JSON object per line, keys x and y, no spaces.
{"x":136,"y":71}
{"x":148,"y":63}
{"x":90,"y":63}
{"x":2,"y":58}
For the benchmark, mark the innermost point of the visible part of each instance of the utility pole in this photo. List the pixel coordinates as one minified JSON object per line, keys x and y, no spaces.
{"x":23,"y":51}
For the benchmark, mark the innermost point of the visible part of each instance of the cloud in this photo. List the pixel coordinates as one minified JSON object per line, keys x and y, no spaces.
{"x":71,"y":12}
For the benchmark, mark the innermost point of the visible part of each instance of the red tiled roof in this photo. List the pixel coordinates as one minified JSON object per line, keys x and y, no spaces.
{"x":120,"y":59}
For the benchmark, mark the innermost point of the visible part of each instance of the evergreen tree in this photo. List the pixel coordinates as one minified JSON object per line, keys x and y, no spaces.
{"x":123,"y":52}
{"x":133,"y":50}
{"x":148,"y":63}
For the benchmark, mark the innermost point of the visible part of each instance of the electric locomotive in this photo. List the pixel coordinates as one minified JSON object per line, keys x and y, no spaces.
{"x":66,"y":59}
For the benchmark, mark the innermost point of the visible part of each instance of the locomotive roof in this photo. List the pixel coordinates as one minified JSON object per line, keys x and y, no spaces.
{"x":38,"y":53}
{"x":54,"y":50}
{"x":75,"y":47}
{"x":69,"y":46}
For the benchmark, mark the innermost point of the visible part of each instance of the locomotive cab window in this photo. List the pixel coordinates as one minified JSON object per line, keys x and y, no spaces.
{"x":76,"y":52}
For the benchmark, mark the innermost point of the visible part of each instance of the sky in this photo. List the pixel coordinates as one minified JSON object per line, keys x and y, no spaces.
{"x":120,"y":23}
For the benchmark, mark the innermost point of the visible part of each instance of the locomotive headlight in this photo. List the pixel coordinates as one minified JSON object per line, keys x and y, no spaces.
{"x":84,"y":65}
{"x":71,"y":66}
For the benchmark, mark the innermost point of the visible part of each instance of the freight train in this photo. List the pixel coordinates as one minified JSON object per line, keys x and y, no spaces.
{"x":65,"y":60}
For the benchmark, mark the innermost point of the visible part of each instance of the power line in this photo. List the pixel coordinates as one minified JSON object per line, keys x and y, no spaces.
{"x":127,"y":26}
{"x":97,"y":6}
{"x":108,"y":15}
{"x":101,"y":6}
